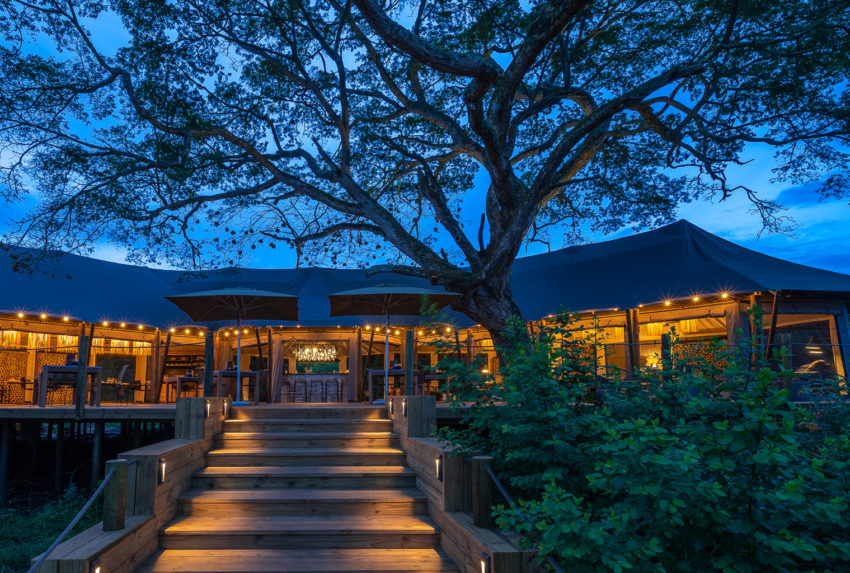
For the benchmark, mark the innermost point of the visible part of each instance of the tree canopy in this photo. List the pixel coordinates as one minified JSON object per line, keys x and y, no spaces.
{"x":353,"y":130}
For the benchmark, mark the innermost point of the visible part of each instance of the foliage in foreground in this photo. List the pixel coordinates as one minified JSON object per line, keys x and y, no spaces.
{"x":691,"y":467}
{"x":25,"y":534}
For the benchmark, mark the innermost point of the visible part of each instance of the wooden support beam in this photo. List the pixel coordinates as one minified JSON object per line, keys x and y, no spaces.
{"x":115,"y":496}
{"x":631,"y":338}
{"x":756,"y":326}
{"x":96,"y":453}
{"x":409,"y":359}
{"x":269,"y":381}
{"x":774,"y":315}
{"x":5,"y":436}
{"x":157,"y":384}
{"x":482,"y":492}
{"x":368,"y":359}
{"x":82,"y":373}
{"x":57,"y":469}
{"x":209,"y":360}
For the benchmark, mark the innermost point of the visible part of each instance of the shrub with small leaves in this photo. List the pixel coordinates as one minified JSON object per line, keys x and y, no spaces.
{"x":701,"y":464}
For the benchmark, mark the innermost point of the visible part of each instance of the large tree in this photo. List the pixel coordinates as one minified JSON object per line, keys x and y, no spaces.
{"x":357,"y":130}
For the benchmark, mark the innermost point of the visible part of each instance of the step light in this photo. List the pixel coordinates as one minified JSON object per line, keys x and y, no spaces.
{"x":94,"y":566}
{"x":160,"y":473}
{"x":438,"y":463}
{"x":485,"y":563}
{"x":404,"y":407}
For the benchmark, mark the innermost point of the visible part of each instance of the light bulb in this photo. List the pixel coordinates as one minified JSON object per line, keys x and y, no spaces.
{"x":43,"y":316}
{"x":66,"y":318}
{"x":104,"y":323}
{"x":724,"y":295}
{"x":123,"y":325}
{"x":667,"y":303}
{"x":20,"y":315}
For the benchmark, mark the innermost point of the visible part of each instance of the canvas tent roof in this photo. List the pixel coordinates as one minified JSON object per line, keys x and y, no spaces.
{"x":675,"y":261}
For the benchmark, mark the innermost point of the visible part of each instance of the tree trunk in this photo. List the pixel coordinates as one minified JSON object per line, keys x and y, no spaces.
{"x":492,"y":305}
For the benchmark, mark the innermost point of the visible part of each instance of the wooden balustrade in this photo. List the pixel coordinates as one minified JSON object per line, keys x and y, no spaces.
{"x":460,"y":492}
{"x":141,"y":496}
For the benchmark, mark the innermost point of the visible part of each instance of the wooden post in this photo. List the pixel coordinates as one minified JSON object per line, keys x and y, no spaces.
{"x":157,"y":384}
{"x":774,"y":315}
{"x":369,"y":356}
{"x":82,"y":372}
{"x":756,"y":326}
{"x":209,"y":360}
{"x":259,"y":347}
{"x":57,"y":470}
{"x":409,"y":354}
{"x":421,"y":415}
{"x":115,"y":496}
{"x":631,"y":338}
{"x":5,"y":435}
{"x":269,"y":380}
{"x":355,"y":367}
{"x":482,"y":492}
{"x":189,"y":418}
{"x":457,"y":345}
{"x":97,"y":448}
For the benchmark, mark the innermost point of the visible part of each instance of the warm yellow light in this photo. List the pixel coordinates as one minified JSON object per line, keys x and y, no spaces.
{"x":123,"y":325}
{"x":433,"y":332}
{"x":724,"y":295}
{"x":20,"y":315}
{"x":43,"y":316}
{"x":485,"y":371}
{"x":667,"y":303}
{"x":186,"y":331}
{"x":172,"y":330}
{"x":141,"y":327}
{"x":368,"y":327}
{"x":227,"y":334}
{"x":104,"y":323}
{"x":396,"y":331}
{"x":640,"y":306}
{"x":696,"y":298}
{"x":420,"y":333}
{"x":448,"y":329}
{"x":338,"y":326}
{"x":244,"y":331}
{"x":66,"y":318}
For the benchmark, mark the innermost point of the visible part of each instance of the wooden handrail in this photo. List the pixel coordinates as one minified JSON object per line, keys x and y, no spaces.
{"x":74,"y":521}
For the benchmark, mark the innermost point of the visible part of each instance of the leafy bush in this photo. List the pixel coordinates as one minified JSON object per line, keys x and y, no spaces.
{"x":26,"y":534}
{"x":698,"y":465}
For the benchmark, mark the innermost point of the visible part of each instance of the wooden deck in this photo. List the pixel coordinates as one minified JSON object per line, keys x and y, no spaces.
{"x":135,"y":412}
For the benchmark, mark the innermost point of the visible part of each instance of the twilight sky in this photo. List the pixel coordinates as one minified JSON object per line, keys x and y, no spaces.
{"x":821,"y":238}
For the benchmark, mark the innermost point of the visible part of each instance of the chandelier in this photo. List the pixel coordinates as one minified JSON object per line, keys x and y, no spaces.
{"x":315,"y":352}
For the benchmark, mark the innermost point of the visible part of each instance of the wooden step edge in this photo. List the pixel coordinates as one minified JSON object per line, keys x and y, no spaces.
{"x":302,"y":495}
{"x":306,"y":451}
{"x":307,"y":435}
{"x":298,"y":560}
{"x":305,"y":471}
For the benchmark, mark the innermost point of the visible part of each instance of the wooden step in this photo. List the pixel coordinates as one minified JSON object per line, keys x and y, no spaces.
{"x":313,"y":411}
{"x":306,"y":457}
{"x":281,"y":502}
{"x":339,"y":477}
{"x":263,"y":440}
{"x":297,"y":561}
{"x":308,"y":425}
{"x":301,"y":532}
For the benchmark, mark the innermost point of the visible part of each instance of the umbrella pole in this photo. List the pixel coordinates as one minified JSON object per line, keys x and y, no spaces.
{"x":238,"y":358}
{"x":387,"y":360}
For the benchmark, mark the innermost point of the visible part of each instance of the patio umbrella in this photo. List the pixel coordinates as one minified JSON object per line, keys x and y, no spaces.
{"x":241,"y":303}
{"x":386,"y":299}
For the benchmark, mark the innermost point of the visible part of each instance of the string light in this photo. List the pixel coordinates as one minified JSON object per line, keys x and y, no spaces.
{"x":368,"y":327}
{"x":696,"y":298}
{"x":186,"y":331}
{"x":725,"y":295}
{"x":172,"y":330}
{"x":66,"y":318}
{"x":20,"y":315}
{"x":396,"y":331}
{"x":448,"y":329}
{"x":420,"y":333}
{"x":104,"y":323}
{"x":667,"y":303}
{"x":43,"y":316}
{"x":141,"y":327}
{"x":123,"y":325}
{"x":227,"y":334}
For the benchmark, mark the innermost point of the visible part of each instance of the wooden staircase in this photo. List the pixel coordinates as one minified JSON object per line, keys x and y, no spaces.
{"x":302,"y":488}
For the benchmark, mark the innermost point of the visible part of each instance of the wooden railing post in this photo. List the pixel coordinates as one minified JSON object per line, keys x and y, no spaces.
{"x":482,"y":492}
{"x":115,"y":496}
{"x":421,"y":415}
{"x":189,"y":418}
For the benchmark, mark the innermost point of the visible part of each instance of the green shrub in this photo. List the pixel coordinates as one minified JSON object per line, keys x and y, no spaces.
{"x":25,"y":534}
{"x":699,"y":465}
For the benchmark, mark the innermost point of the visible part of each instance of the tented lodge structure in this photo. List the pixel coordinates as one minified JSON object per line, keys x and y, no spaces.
{"x":632,"y":290}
